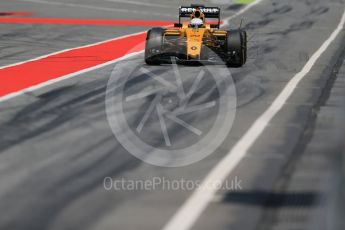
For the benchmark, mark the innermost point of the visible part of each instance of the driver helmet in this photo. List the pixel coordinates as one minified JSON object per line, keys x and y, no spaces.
{"x":196,"y":22}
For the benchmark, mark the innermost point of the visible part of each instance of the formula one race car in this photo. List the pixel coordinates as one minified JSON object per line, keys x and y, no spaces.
{"x":196,"y":40}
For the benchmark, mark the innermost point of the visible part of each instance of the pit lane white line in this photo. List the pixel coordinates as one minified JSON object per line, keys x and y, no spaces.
{"x":70,"y":49}
{"x":247,"y":7}
{"x":50,"y":82}
{"x":191,"y":210}
{"x":98,"y":8}
{"x":53,"y":81}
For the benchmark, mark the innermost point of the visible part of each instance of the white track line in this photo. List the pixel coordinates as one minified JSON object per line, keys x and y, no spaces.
{"x":91,"y":7}
{"x":50,"y":82}
{"x":66,"y":50}
{"x":247,"y":7}
{"x":53,"y":81}
{"x":138,"y":3}
{"x":191,"y":210}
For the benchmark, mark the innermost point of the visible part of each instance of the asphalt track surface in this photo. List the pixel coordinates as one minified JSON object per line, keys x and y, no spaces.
{"x":56,"y":146}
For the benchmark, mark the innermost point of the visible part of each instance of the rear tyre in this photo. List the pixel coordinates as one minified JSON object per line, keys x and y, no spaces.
{"x":154,"y":43}
{"x":236,"y":48}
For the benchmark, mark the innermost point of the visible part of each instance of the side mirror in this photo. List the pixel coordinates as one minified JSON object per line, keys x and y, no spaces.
{"x":177,"y":25}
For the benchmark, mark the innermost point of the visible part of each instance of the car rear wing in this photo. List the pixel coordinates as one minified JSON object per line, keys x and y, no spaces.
{"x":209,"y":12}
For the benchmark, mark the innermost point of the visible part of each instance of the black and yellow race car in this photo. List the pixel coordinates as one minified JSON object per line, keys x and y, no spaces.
{"x":196,"y":40}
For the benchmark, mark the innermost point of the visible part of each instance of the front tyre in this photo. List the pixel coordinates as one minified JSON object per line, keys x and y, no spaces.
{"x":244,"y":44}
{"x":154,"y":43}
{"x":236,"y":48}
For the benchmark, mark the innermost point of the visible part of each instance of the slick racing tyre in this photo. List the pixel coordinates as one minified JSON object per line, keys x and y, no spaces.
{"x":236,"y":48}
{"x":154,"y":43}
{"x":244,"y":45}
